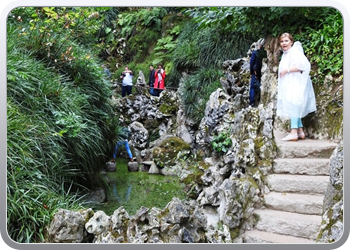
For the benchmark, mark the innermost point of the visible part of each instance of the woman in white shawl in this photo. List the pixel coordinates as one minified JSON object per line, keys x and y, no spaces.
{"x":296,"y":97}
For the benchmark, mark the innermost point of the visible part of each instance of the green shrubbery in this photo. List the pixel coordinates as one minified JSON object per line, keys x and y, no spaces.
{"x":60,"y":126}
{"x":196,"y":92}
{"x":324,"y":45}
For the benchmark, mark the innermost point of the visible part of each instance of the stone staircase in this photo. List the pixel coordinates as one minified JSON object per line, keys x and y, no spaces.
{"x":293,"y":208}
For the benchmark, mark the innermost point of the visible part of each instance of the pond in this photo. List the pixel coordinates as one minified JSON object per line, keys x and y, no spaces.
{"x":135,"y":189}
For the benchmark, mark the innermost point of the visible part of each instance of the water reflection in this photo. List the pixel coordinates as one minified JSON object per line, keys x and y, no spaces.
{"x":135,"y":189}
{"x":115,"y":193}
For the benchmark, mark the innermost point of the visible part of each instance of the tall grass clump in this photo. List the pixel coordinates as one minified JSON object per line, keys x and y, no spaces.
{"x":208,"y":47}
{"x":60,"y":127}
{"x":38,"y":175}
{"x":196,"y":91}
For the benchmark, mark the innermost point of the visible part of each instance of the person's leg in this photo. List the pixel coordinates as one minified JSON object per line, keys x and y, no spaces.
{"x":156,"y":92}
{"x":294,"y":122}
{"x":257,"y":93}
{"x":115,"y":150}
{"x":129,"y":90}
{"x":251,"y":91}
{"x":293,"y":135}
{"x":301,"y":134}
{"x":126,"y":143}
{"x":123,"y":91}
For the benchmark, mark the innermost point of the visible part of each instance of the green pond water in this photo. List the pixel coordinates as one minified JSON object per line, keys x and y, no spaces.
{"x":135,"y":189}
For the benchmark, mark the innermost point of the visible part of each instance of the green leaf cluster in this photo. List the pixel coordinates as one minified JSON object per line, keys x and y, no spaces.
{"x":221,"y":143}
{"x":324,"y":45}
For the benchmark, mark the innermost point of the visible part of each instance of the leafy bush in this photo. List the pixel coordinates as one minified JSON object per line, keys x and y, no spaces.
{"x":60,"y":125}
{"x":221,"y":143}
{"x":324,"y":45}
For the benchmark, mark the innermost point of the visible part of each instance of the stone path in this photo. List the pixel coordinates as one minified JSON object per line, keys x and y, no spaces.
{"x":293,"y":207}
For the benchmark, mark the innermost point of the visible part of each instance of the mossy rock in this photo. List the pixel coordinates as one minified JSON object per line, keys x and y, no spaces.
{"x":170,"y":104}
{"x":166,"y":153}
{"x":168,"y":108}
{"x":151,"y":124}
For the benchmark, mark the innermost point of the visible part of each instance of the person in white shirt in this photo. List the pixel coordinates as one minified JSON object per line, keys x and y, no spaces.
{"x":126,"y":75}
{"x":296,"y":97}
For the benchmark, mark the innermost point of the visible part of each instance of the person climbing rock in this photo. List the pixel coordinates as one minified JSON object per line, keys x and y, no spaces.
{"x":123,"y":142}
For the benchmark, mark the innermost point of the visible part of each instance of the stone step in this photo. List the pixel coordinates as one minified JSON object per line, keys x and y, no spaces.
{"x":304,"y":184}
{"x":303,"y":148}
{"x":309,"y":166}
{"x":256,"y":236}
{"x":285,"y":223}
{"x":294,"y":203}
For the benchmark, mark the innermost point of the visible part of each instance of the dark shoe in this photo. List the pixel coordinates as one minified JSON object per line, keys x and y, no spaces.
{"x":113,"y":160}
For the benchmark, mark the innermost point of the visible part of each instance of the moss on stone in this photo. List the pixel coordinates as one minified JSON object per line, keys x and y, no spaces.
{"x":168,"y":108}
{"x":166,"y":153}
{"x":234,"y":233}
{"x":328,"y":228}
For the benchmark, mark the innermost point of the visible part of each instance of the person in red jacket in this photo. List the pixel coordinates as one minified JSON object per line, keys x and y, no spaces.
{"x":159,"y":83}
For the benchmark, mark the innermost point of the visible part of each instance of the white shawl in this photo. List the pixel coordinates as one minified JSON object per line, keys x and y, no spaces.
{"x":296,"y":97}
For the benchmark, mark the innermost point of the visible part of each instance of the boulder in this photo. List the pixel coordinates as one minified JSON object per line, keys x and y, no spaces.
{"x":111,"y":166}
{"x":133,"y":166}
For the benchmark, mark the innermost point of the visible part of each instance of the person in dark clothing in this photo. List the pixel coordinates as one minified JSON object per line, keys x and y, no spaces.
{"x":151,"y":80}
{"x":255,"y":72}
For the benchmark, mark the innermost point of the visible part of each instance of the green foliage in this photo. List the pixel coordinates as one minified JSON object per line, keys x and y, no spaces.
{"x":60,"y":125}
{"x":320,"y":29}
{"x":149,"y":17}
{"x":259,"y":21}
{"x":221,"y":143}
{"x":48,"y":29}
{"x":72,"y":123}
{"x":38,"y":179}
{"x":59,"y":122}
{"x":196,"y":92}
{"x":324,"y":46}
{"x":205,"y":47}
{"x":142,"y":28}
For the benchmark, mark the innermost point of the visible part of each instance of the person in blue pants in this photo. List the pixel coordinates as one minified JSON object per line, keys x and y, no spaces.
{"x":125,"y":136}
{"x":121,"y":143}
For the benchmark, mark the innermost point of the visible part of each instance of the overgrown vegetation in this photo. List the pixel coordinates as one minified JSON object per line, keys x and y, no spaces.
{"x":196,"y":92}
{"x":60,"y":125}
{"x":324,"y":45}
{"x":205,"y":48}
